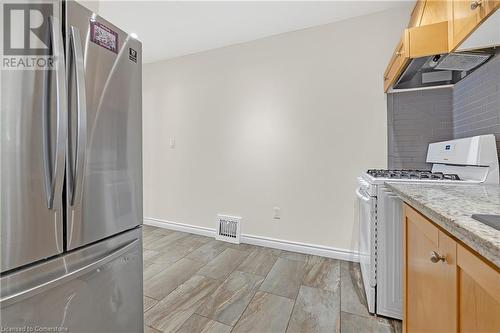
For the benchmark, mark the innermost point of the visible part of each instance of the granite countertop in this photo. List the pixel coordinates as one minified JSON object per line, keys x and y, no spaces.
{"x":451,"y":207}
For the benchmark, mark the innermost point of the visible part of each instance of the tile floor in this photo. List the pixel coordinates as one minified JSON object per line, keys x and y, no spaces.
{"x":197,"y":284}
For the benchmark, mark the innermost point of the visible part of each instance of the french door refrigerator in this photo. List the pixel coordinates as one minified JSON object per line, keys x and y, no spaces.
{"x":71,"y":180}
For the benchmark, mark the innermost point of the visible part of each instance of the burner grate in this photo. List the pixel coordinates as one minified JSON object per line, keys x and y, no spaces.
{"x":411,"y":174}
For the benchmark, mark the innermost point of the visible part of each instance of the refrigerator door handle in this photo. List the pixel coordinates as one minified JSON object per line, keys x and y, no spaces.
{"x":54,"y":172}
{"x":75,"y":182}
{"x":29,"y":292}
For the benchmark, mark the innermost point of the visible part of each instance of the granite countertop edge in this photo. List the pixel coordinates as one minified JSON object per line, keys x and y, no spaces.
{"x":482,"y":246}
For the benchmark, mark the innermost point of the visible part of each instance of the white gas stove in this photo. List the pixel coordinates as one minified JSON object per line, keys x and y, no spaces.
{"x":465,"y":161}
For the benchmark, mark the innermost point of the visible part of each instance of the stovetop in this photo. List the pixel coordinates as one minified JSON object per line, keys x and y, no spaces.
{"x":411,"y":174}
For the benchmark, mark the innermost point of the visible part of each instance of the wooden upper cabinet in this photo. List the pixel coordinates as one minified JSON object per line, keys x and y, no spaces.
{"x":430,"y":298}
{"x":429,"y":12}
{"x":416,"y":14}
{"x":428,"y":39}
{"x":416,"y":42}
{"x":398,"y":61}
{"x":435,"y":11}
{"x":466,"y":16}
{"x":487,"y":8}
{"x":435,"y":27}
{"x":463,"y":21}
{"x":427,"y":33}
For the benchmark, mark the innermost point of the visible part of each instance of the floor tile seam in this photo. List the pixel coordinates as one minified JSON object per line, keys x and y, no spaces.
{"x":192,"y":275}
{"x":291,"y":313}
{"x":212,"y":319}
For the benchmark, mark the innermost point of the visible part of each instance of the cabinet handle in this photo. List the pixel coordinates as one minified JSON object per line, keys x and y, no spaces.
{"x":436,"y":257}
{"x":475,"y":4}
{"x":400,"y":53}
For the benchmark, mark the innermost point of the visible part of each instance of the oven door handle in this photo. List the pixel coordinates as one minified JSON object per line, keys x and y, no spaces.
{"x":361,"y":196}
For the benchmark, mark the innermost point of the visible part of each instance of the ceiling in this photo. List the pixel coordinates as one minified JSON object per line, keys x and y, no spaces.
{"x":170,"y":29}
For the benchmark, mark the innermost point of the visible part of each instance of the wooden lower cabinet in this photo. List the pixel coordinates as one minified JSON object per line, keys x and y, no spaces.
{"x":447,"y":288}
{"x":479,"y":293}
{"x":430,"y":275}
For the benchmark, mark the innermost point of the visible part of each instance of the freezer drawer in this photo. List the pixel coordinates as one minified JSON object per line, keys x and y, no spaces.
{"x":96,"y":289}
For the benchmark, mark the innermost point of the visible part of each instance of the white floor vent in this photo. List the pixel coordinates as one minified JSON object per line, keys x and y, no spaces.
{"x":228,"y":229}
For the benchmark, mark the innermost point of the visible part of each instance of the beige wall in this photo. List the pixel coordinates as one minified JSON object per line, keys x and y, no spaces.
{"x":286,"y":121}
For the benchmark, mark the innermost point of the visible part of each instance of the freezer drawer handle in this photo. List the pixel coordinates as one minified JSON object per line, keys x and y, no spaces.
{"x":10,"y":299}
{"x":75,"y":178}
{"x":53,"y":172}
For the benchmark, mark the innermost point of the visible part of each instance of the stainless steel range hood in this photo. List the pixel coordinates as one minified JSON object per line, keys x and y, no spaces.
{"x":442,"y":69}
{"x":449,"y":68}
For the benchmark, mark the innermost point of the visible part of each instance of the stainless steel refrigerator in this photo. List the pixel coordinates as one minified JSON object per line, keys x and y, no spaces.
{"x":71,"y":180}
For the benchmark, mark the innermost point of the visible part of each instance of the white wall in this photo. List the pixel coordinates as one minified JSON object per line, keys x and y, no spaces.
{"x":286,"y":121}
{"x":92,"y":5}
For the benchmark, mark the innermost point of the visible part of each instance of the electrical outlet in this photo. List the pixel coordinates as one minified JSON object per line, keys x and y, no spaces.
{"x":276,"y":213}
{"x":172,"y":143}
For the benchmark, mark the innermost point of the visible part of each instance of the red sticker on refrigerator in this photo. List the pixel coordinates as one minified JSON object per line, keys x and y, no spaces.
{"x":104,"y":36}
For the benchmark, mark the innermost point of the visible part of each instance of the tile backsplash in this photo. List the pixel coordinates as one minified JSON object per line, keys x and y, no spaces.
{"x":476,"y":103}
{"x":417,"y":118}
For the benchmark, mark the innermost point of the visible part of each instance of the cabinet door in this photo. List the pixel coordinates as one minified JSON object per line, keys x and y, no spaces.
{"x":399,"y":59}
{"x":464,"y":20}
{"x":487,"y":7}
{"x":430,"y":276}
{"x":435,"y":11}
{"x":479,"y":293}
{"x":428,"y":40}
{"x":466,"y":16}
{"x":416,"y":14}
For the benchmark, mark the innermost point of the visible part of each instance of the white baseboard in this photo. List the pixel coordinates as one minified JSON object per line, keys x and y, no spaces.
{"x":319,"y":250}
{"x":192,"y":229}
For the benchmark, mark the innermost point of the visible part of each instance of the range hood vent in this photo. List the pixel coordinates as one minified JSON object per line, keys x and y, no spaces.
{"x":461,"y":61}
{"x":442,"y":69}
